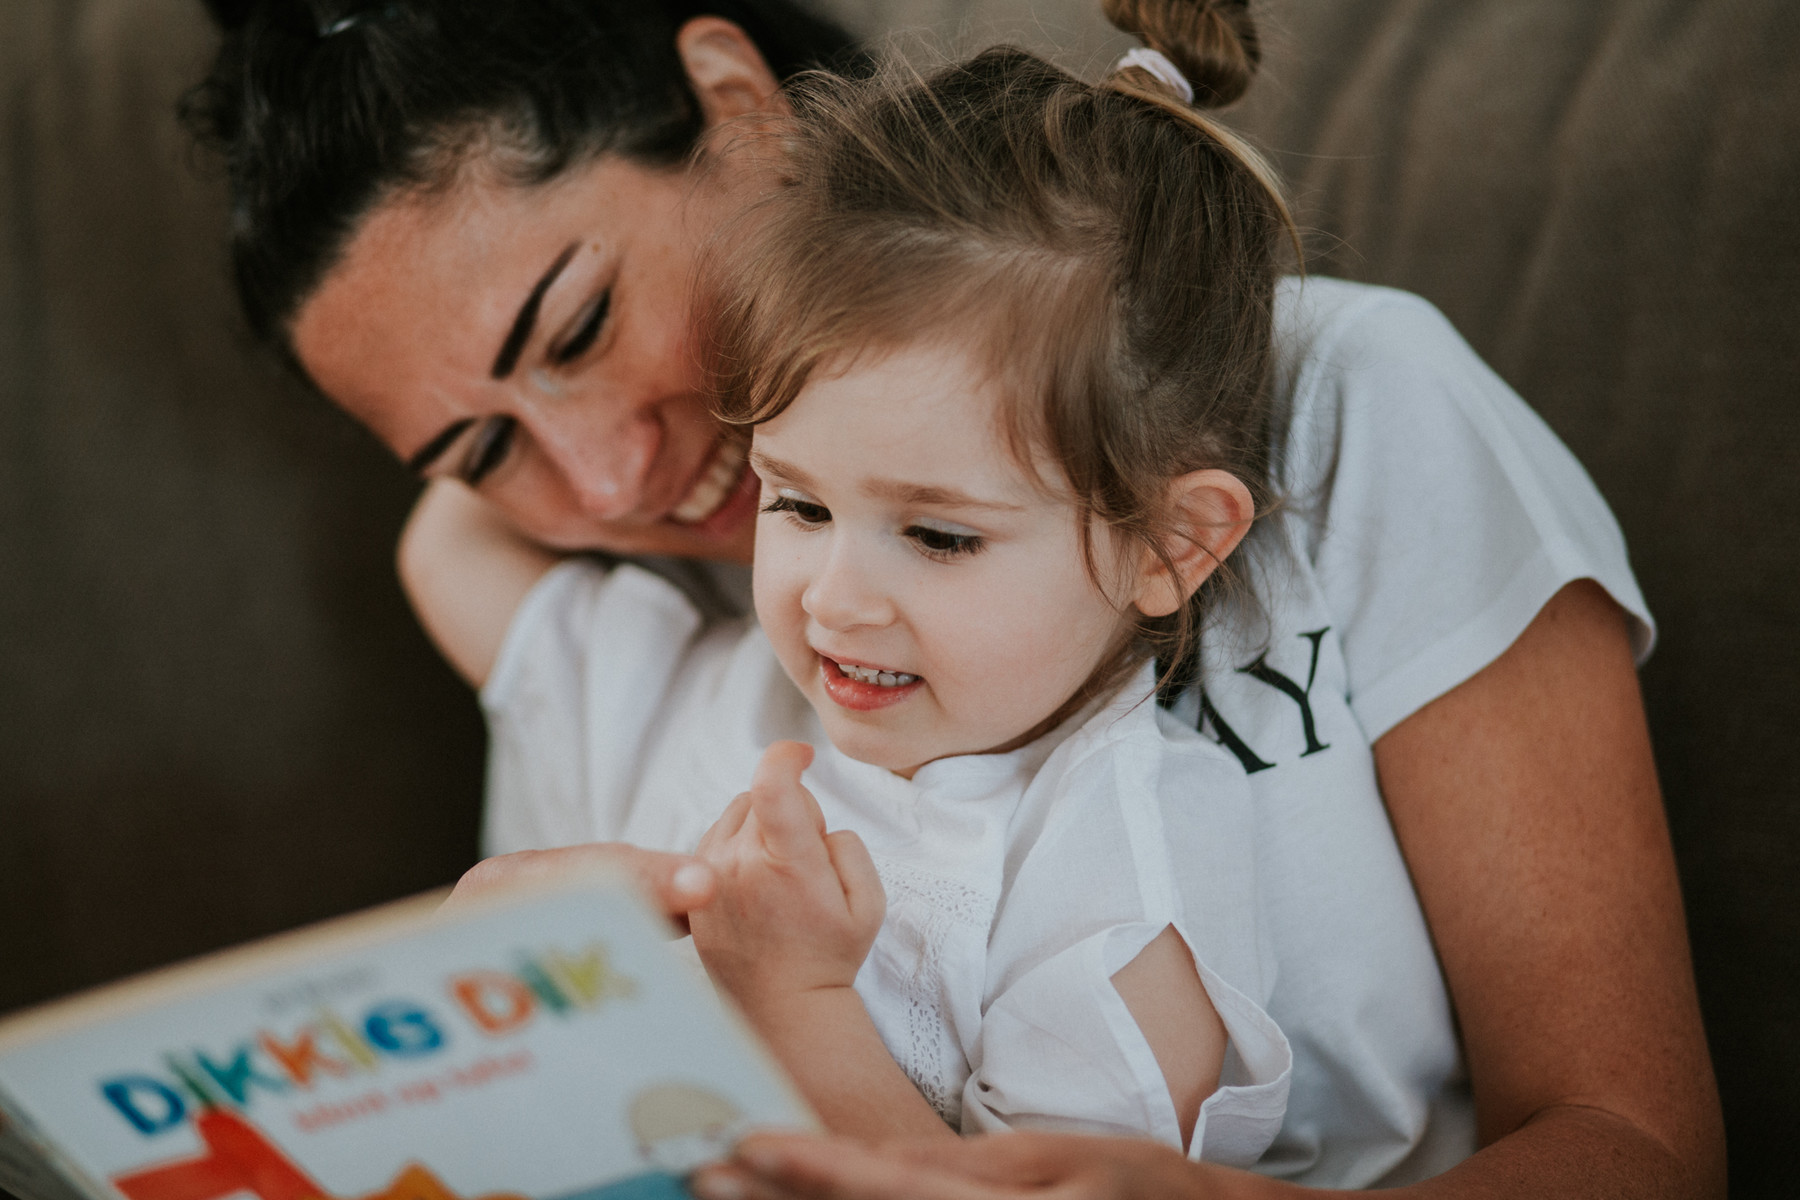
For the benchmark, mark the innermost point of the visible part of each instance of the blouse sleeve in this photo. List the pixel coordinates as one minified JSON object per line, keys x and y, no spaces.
{"x":1439,"y":513}
{"x":1058,"y":1048}
{"x":581,"y":676}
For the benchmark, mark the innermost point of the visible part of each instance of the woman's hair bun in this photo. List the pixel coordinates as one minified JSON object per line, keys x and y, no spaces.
{"x":1214,"y":42}
{"x":230,"y":14}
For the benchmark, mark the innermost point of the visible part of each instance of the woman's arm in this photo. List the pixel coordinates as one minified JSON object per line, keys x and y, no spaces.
{"x":1527,"y":806}
{"x":466,"y":569}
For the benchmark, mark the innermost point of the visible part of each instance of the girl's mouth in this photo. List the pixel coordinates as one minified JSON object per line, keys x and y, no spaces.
{"x":862,"y":688}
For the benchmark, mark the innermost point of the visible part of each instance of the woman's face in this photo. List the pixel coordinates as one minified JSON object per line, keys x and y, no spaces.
{"x":533,"y":342}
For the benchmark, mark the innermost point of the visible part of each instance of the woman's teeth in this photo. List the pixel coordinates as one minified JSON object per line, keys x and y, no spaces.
{"x":877,"y":677}
{"x":714,"y":485}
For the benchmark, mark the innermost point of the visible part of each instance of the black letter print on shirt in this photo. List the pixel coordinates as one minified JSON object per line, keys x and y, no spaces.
{"x":1228,"y":737}
{"x":1302,"y":696}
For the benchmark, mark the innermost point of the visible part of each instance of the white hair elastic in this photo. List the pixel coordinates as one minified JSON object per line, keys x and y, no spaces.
{"x":1157,"y":63}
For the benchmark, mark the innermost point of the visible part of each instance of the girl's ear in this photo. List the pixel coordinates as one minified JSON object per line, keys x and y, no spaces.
{"x":1212,"y":513}
{"x":727,"y":72}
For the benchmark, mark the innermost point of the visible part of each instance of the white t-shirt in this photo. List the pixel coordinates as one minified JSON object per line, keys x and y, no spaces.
{"x":1429,"y":515}
{"x":1017,"y":883}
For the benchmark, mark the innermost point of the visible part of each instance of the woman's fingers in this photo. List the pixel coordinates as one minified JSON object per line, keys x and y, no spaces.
{"x":808,"y":1168}
{"x":997,"y":1167}
{"x":675,"y":883}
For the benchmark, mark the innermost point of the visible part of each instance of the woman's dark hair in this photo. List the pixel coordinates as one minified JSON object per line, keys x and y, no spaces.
{"x":321,"y":108}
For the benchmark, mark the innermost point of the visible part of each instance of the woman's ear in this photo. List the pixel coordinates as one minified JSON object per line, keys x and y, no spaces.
{"x":727,"y":72}
{"x":1212,"y":513}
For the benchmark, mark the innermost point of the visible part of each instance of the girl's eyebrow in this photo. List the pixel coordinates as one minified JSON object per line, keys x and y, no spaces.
{"x":931,"y":496}
{"x":898,"y":491}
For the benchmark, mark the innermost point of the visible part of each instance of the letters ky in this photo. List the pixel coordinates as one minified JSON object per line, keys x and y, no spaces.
{"x":1301,"y":695}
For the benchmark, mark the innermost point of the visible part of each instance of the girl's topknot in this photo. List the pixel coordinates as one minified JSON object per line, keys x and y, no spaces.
{"x":1214,"y":42}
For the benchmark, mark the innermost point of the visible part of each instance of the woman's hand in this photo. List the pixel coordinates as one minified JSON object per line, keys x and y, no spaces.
{"x":997,"y":1167}
{"x":465,"y":568}
{"x":797,"y":908}
{"x":676,"y":883}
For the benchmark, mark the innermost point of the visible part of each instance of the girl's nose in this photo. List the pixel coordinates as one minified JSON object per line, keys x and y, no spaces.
{"x":846,"y":593}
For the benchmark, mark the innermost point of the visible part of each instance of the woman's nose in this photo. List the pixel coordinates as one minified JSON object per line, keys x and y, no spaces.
{"x":604,"y":463}
{"x":847,"y":593}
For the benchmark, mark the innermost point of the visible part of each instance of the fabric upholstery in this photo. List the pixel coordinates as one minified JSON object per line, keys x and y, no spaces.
{"x":218,"y":718}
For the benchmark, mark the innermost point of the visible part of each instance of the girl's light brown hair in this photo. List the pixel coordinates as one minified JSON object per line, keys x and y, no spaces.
{"x":1107,"y":252}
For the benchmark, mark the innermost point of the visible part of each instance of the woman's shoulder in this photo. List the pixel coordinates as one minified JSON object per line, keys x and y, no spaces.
{"x":1336,"y":340}
{"x":1131,"y":752}
{"x":1315,"y":314}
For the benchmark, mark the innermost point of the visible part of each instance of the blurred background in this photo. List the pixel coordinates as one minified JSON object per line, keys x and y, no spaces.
{"x":218,"y":720}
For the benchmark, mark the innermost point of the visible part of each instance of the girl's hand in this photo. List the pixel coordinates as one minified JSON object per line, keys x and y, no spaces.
{"x":796,"y":908}
{"x":1009,"y":1166}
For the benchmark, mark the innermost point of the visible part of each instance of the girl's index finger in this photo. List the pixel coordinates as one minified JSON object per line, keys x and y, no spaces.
{"x":792,"y":824}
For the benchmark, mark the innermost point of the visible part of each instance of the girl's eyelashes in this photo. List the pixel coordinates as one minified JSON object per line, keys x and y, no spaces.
{"x":945,"y":543}
{"x":586,"y":332}
{"x":803,"y":512}
{"x":933,"y":542}
{"x":489,"y":449}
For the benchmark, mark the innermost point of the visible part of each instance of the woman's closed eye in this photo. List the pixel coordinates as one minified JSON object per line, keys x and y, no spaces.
{"x":488,"y":449}
{"x":803,"y":513}
{"x":589,"y":323}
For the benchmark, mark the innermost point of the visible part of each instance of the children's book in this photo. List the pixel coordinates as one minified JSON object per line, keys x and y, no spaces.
{"x":550,"y":1046}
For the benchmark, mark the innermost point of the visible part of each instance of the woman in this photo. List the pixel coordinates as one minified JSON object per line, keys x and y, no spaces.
{"x":471,"y":226}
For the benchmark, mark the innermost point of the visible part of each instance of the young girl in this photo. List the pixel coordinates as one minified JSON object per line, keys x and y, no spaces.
{"x":1003,"y":341}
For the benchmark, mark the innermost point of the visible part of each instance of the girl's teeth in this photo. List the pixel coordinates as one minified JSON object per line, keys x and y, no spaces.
{"x":877,"y":677}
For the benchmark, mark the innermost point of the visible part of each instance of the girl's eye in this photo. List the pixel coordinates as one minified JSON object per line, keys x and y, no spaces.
{"x":803,"y":512}
{"x":584,"y":336}
{"x":489,"y":449}
{"x":942,"y":543}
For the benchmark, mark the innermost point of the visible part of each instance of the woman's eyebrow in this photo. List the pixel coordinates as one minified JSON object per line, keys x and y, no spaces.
{"x":522,"y":325}
{"x":429,"y":453}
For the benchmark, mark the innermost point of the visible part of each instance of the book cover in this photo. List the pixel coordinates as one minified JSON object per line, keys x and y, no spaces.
{"x":550,"y":1047}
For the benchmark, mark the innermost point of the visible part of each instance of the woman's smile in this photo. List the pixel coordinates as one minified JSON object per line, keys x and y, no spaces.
{"x":724,"y":495}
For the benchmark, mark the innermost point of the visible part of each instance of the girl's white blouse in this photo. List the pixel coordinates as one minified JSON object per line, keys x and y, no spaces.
{"x":1017,"y":883}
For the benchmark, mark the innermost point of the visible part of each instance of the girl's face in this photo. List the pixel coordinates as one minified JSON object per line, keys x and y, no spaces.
{"x":532,"y":341}
{"x":916,"y":581}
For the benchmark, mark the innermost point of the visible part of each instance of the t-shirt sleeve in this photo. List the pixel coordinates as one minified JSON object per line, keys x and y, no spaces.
{"x":1058,"y":1047}
{"x":581,"y":676}
{"x":1438,"y":511}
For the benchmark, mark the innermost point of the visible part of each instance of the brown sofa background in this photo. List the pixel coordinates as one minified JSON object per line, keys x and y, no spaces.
{"x":217,"y":719}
